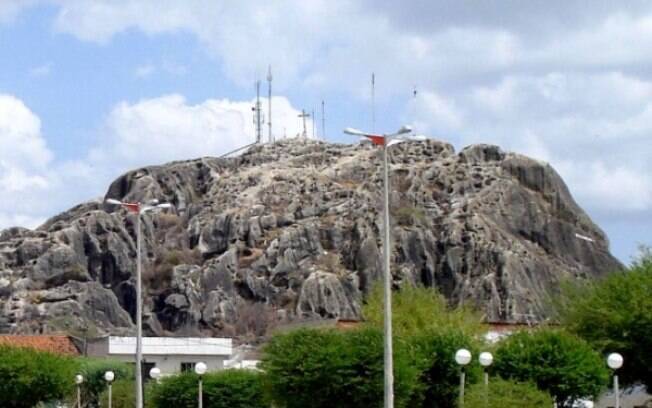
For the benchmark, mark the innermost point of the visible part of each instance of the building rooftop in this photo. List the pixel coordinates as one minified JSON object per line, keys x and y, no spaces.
{"x":172,"y":346}
{"x":54,"y":344}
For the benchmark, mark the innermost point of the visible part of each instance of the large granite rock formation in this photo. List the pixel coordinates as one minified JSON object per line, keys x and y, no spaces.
{"x":292,"y":231}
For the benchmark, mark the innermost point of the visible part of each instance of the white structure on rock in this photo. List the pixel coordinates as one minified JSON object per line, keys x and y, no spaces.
{"x":170,"y":354}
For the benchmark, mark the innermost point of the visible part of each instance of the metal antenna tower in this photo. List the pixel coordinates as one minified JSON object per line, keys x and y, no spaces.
{"x":323,"y":121}
{"x":373,"y":104}
{"x":303,"y":116}
{"x":269,"y":103}
{"x":258,"y":114}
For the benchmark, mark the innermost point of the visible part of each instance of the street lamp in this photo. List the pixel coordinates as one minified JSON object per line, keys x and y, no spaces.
{"x":109,"y":377}
{"x":462,"y":357}
{"x":200,"y":369}
{"x":615,"y":361}
{"x":79,"y":379}
{"x":485,"y":360}
{"x":386,"y":141}
{"x":155,"y":373}
{"x":139,"y":209}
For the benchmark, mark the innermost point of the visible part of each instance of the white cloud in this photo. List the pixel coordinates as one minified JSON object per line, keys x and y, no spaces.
{"x":24,"y":164}
{"x":9,"y":9}
{"x":158,"y":130}
{"x":144,"y":71}
{"x":41,"y":70}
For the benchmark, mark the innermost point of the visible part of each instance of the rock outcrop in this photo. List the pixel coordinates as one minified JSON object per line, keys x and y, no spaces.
{"x":291,"y":231}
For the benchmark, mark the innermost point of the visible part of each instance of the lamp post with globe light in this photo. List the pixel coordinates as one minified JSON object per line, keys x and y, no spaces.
{"x":385,"y":141}
{"x":139,"y":209}
{"x":200,"y":370}
{"x":486,"y":359}
{"x":109,"y":376}
{"x":155,"y":373}
{"x":79,"y":379}
{"x":615,"y":361}
{"x":463,"y":358}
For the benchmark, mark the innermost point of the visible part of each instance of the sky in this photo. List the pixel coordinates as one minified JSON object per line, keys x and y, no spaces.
{"x":92,"y":89}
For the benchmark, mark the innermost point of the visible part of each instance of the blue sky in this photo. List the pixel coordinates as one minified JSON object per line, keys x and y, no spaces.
{"x":90,"y":89}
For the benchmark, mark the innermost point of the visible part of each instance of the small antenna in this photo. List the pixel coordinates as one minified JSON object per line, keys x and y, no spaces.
{"x":303,"y":116}
{"x":323,"y":121}
{"x":373,"y":105}
{"x":269,"y":102}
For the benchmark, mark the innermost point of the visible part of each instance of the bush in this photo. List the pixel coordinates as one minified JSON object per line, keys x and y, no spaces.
{"x":615,"y":315}
{"x":419,"y":309}
{"x":314,"y":368}
{"x":558,"y":362}
{"x":28,"y":377}
{"x":506,"y":394}
{"x":434,"y":355}
{"x":93,"y":371}
{"x":122,"y":394}
{"x":223,"y":389}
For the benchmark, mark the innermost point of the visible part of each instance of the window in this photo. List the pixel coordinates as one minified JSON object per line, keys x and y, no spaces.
{"x":187,"y":367}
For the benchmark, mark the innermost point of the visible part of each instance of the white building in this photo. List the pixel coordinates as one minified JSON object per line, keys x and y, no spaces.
{"x":170,"y":354}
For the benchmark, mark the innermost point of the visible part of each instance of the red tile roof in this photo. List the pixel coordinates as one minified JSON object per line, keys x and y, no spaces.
{"x":53,"y":344}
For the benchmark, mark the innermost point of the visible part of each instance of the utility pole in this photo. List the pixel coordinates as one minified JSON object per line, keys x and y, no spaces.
{"x":303,"y":116}
{"x":323,"y":121}
{"x":269,"y":102}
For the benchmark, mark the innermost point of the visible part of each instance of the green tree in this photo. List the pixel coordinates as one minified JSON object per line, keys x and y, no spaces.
{"x":615,"y":315}
{"x":222,"y":389}
{"x":320,"y":368}
{"x":558,"y":362}
{"x":417,"y":309}
{"x":506,"y":394}
{"x":433,"y":353}
{"x":28,"y":377}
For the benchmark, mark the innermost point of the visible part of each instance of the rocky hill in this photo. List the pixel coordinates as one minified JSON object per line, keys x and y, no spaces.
{"x":291,"y":231}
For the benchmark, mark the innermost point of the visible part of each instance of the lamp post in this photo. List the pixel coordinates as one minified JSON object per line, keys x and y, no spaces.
{"x":79,"y":379}
{"x":462,"y":357}
{"x":109,"y":376}
{"x":155,"y":373}
{"x":385,"y":141}
{"x":615,"y":361}
{"x":200,"y":369}
{"x":139,"y":209}
{"x":485,"y":360}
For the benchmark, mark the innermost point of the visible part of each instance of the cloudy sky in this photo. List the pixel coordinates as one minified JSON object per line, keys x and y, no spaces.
{"x":90,"y":89}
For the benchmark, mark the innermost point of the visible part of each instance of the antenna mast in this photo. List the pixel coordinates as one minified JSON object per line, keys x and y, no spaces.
{"x":303,"y":116}
{"x":323,"y":121}
{"x":257,"y":113}
{"x":373,"y":105}
{"x":269,"y":102}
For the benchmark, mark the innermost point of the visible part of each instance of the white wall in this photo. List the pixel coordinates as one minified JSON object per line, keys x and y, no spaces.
{"x":172,"y":364}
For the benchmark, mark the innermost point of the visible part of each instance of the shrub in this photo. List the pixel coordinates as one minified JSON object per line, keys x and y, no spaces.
{"x":615,"y":315}
{"x":558,"y":362}
{"x":28,"y":377}
{"x":122,"y":394}
{"x":434,"y":355}
{"x":314,"y":368}
{"x":223,"y":389}
{"x":417,"y":309}
{"x":506,"y":394}
{"x":93,"y":371}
